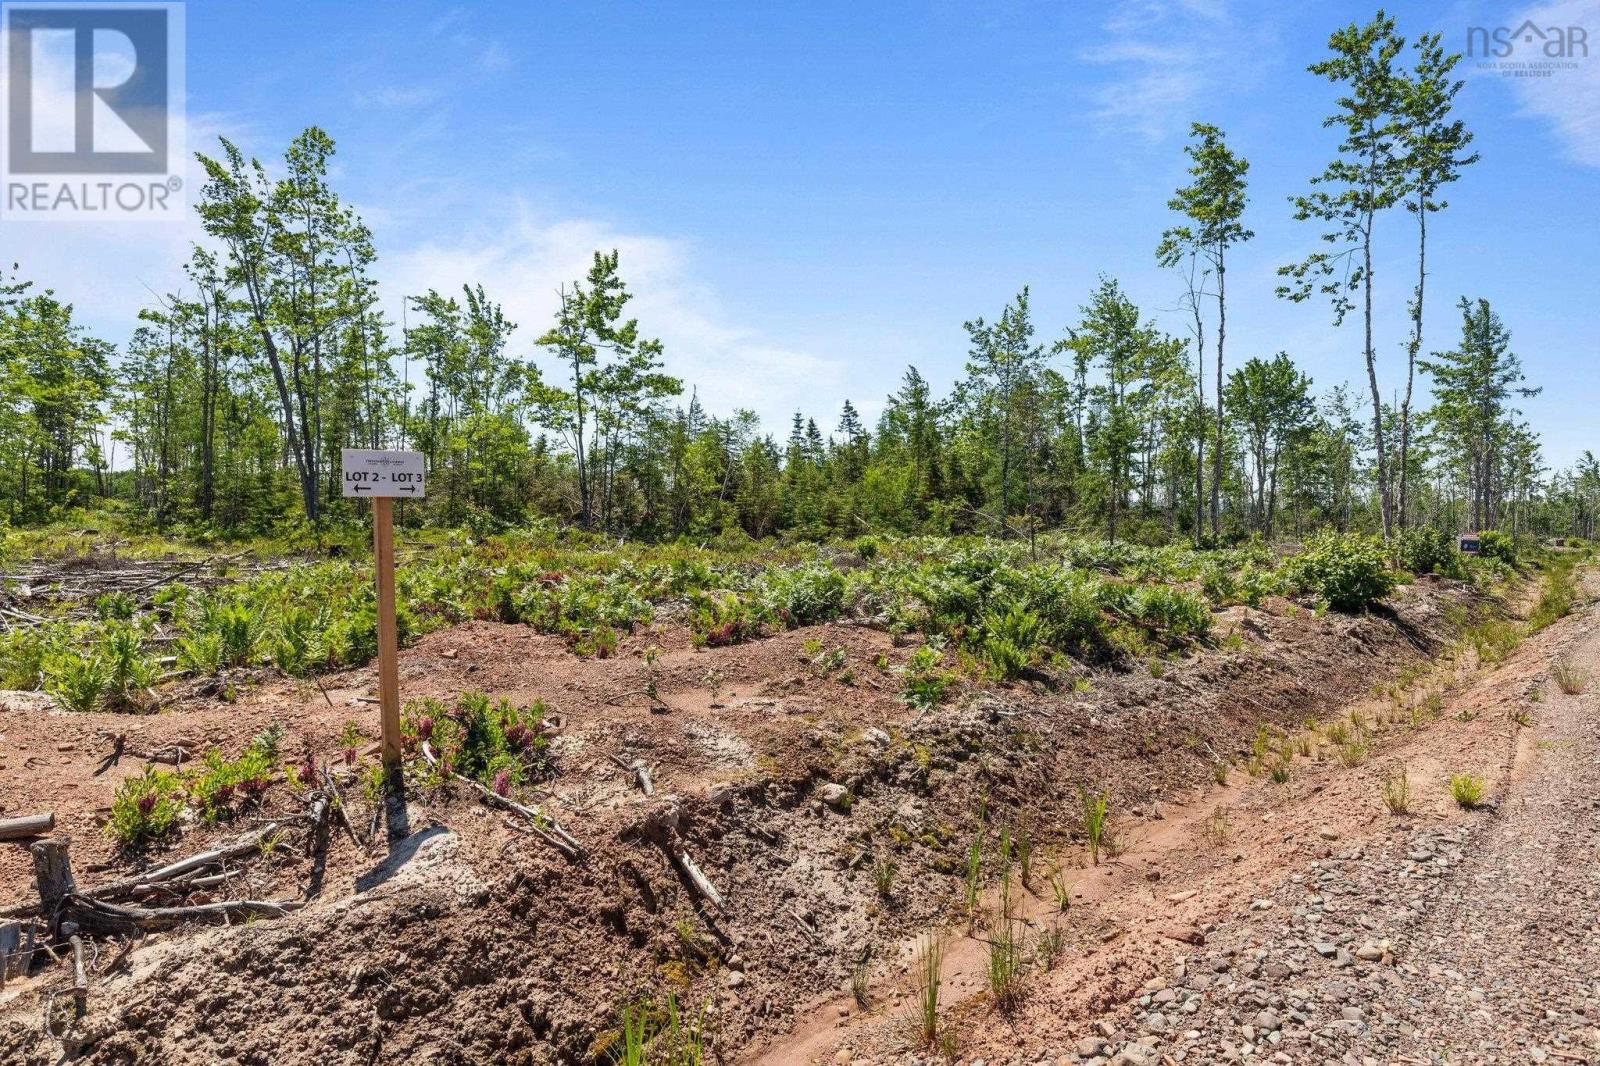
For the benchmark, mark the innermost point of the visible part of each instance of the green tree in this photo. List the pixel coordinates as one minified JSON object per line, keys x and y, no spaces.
{"x":1214,"y":203}
{"x":1366,"y":179}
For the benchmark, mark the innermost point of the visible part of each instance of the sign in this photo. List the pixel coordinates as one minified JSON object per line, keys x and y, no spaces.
{"x":1468,"y":544}
{"x":382,"y":476}
{"x":374,"y":474}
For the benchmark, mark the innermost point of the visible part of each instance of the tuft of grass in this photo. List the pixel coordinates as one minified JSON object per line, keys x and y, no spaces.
{"x":1095,"y":808}
{"x":927,"y":966}
{"x":1280,"y":769}
{"x":1219,"y":772}
{"x":883,"y":871}
{"x":1218,"y":828}
{"x":1004,"y":969}
{"x":1396,"y":790}
{"x":1468,"y":790}
{"x":973,"y":877}
{"x":1569,"y":678}
{"x":1049,"y":947}
{"x":1061,"y":890}
{"x":860,"y":979}
{"x":1353,"y":753}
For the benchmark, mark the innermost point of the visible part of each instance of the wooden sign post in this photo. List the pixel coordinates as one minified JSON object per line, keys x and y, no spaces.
{"x":382,"y":476}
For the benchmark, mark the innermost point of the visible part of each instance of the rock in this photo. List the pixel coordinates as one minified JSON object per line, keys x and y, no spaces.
{"x":1155,"y":1022}
{"x":1090,"y":1046}
{"x":834,"y":795}
{"x":1327,"y":950}
{"x":1179,"y":897}
{"x":876,"y":737}
{"x":1268,"y":1021}
{"x":842,"y":1056}
{"x":1327,"y":834}
{"x":1372,"y":951}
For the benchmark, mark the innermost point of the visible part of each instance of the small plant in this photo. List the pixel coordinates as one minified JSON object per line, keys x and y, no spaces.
{"x":1095,"y":808}
{"x":974,"y":875}
{"x":1061,"y":890}
{"x":883,"y":871}
{"x":924,"y":683}
{"x":79,"y":681}
{"x":1468,"y":790}
{"x":1280,"y":769}
{"x":1522,"y":718}
{"x":1048,"y":947}
{"x":1219,"y":772}
{"x":1022,"y":846}
{"x":1353,"y":753}
{"x":1569,"y":678}
{"x":1397,"y":791}
{"x":1218,"y":829}
{"x":927,"y":966}
{"x":861,"y":978}
{"x":1004,"y":970}
{"x":146,"y":809}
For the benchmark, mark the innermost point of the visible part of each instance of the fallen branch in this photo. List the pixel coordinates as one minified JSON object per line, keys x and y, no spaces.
{"x":540,"y":824}
{"x":80,"y":978}
{"x":96,"y":913}
{"x":215,"y":857}
{"x":640,"y":772}
{"x":697,"y":877}
{"x":27,"y":825}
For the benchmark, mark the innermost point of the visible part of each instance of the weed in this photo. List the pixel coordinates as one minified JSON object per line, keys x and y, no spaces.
{"x":1061,"y":890}
{"x":146,"y":809}
{"x":1353,"y":753}
{"x":1024,"y":853}
{"x":924,"y":682}
{"x":1522,"y":718}
{"x":1569,"y":678}
{"x":1280,"y":769}
{"x":883,"y":871}
{"x":974,"y":875}
{"x":1396,"y":790}
{"x":1048,"y":947}
{"x":1004,"y":969}
{"x":1467,"y":790}
{"x":1219,"y":772}
{"x":1095,"y":808}
{"x":861,"y":978}
{"x":927,"y":966}
{"x":78,"y":681}
{"x":1218,"y":828}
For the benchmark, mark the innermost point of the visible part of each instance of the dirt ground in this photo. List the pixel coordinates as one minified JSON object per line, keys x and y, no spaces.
{"x":472,"y":941}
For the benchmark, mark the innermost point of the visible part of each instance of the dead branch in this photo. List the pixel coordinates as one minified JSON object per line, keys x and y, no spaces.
{"x":214,"y":857}
{"x":27,"y":825}
{"x":640,"y":772}
{"x":80,"y":978}
{"x":98,"y":914}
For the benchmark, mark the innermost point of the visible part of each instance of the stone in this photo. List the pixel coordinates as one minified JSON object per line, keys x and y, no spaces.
{"x":834,"y":795}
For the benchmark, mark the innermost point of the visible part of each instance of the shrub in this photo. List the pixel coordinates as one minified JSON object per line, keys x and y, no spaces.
{"x":1427,"y":551}
{"x":146,"y":809}
{"x":1346,"y":570}
{"x":1010,"y":641}
{"x":222,"y":782}
{"x":1468,"y":790}
{"x":78,"y":681}
{"x":1502,"y":547}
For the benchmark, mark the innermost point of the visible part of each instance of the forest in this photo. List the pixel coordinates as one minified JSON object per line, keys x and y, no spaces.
{"x":226,"y":409}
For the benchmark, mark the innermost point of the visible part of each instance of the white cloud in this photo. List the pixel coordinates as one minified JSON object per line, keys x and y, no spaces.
{"x":1164,"y":58}
{"x":1569,"y":98}
{"x":524,"y":261}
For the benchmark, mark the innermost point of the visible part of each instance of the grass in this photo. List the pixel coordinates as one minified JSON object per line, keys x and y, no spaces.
{"x":1096,"y":806}
{"x":927,"y":967}
{"x":1468,"y":790}
{"x":1218,"y":828}
{"x":1061,"y":891}
{"x":1396,"y":790}
{"x":860,"y":979}
{"x":1048,"y":947}
{"x":883,"y":871}
{"x":974,"y":877}
{"x":1004,"y":967}
{"x":1569,"y":678}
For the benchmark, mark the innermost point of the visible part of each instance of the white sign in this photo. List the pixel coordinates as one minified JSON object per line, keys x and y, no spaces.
{"x":379,"y":473}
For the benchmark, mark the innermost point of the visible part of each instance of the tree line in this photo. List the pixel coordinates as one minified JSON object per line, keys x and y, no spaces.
{"x":227,"y":408}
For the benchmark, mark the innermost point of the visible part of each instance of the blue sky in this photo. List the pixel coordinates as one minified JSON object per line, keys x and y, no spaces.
{"x":807,"y":197}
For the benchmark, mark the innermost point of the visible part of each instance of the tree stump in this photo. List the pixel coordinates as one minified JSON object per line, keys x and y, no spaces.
{"x":52,"y":868}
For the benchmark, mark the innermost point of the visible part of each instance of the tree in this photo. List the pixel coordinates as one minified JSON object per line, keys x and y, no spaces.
{"x":1214,"y":203}
{"x":1366,"y":179}
{"x":1002,"y":364}
{"x":1271,"y":400}
{"x":1473,"y":386}
{"x":1434,"y":145}
{"x":299,"y":256}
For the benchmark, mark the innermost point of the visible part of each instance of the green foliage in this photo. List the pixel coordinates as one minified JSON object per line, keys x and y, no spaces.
{"x":1347,"y":571}
{"x":1428,"y":551}
{"x":146,"y":809}
{"x":222,"y":786}
{"x":1468,"y":790}
{"x":493,"y":742}
{"x":1096,"y":806}
{"x":924,"y":681}
{"x":1502,"y":547}
{"x":78,"y":681}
